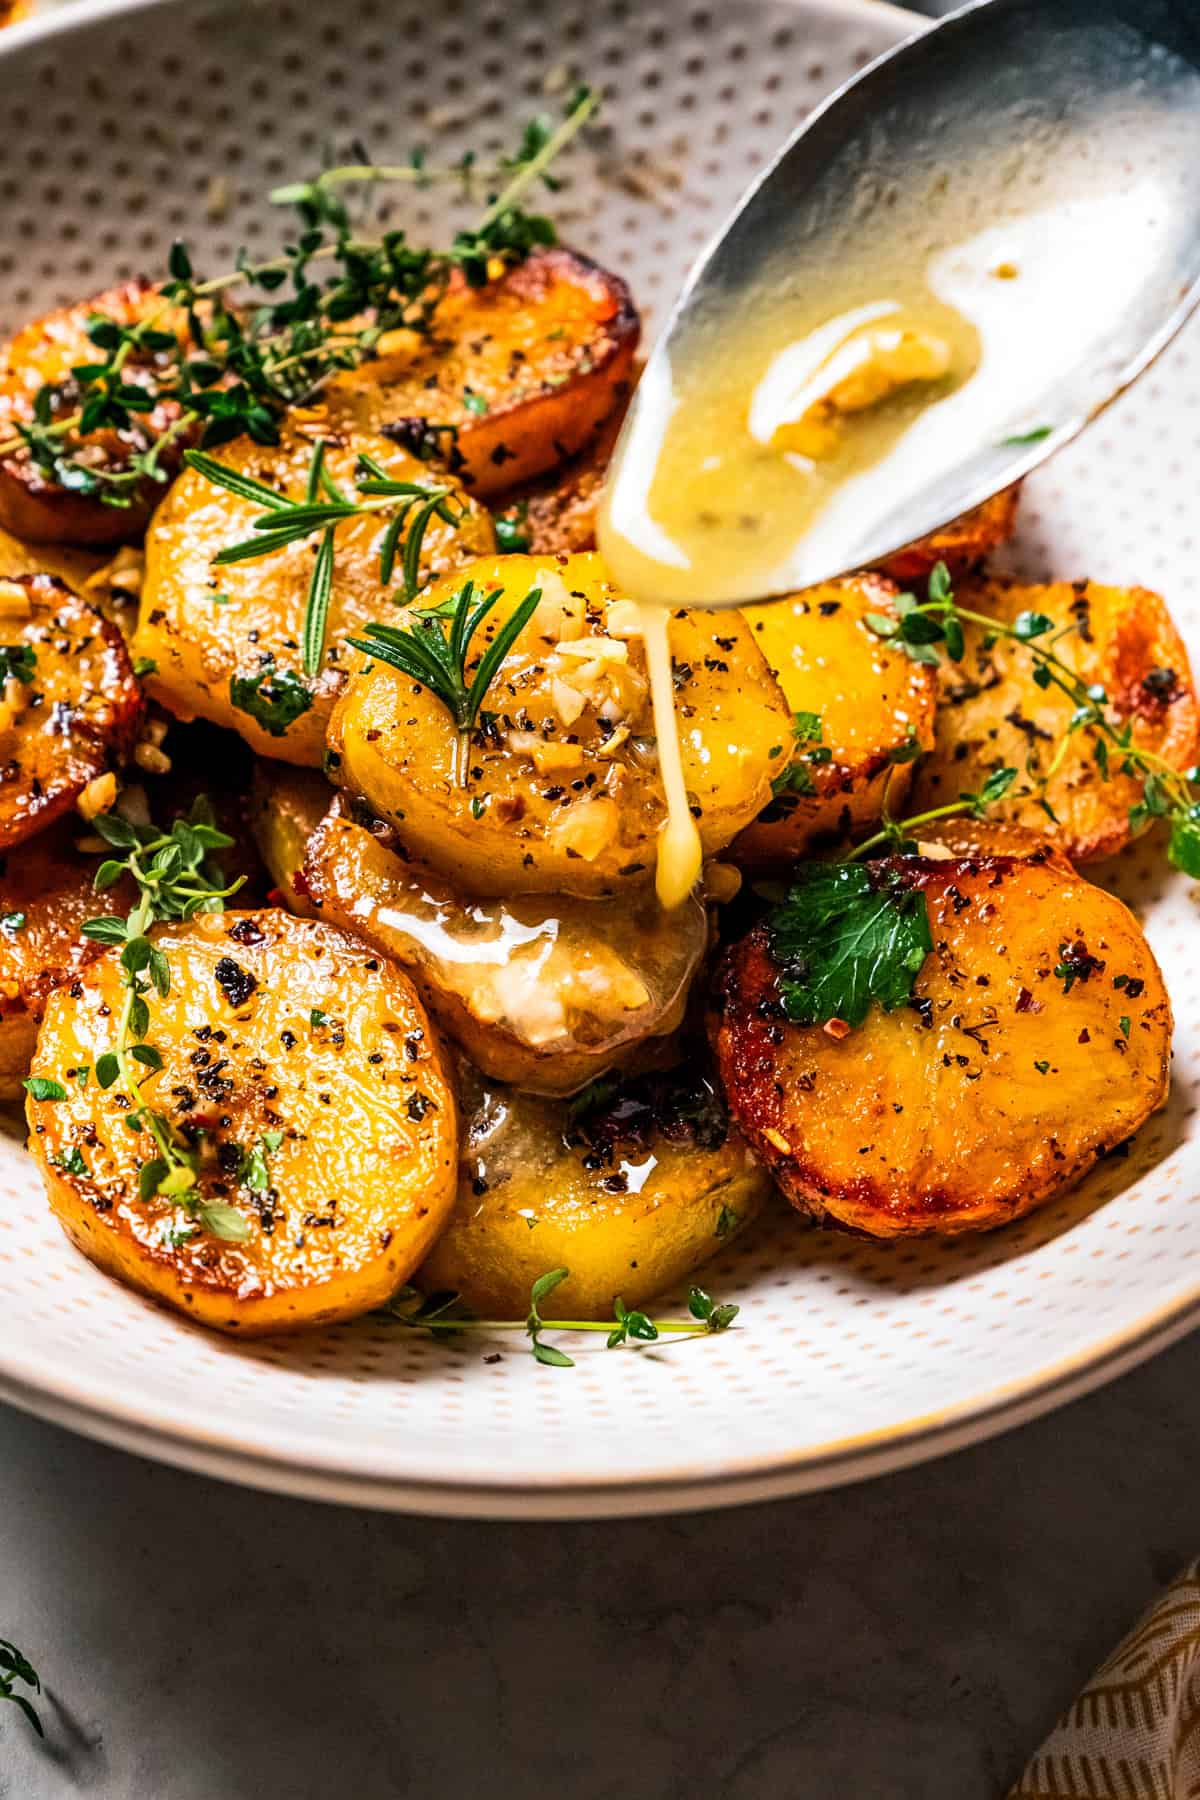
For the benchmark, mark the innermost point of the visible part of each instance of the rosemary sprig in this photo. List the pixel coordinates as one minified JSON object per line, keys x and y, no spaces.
{"x":235,"y":372}
{"x":436,"y":1315}
{"x":927,"y":629}
{"x":435,"y":651}
{"x":175,"y":880}
{"x":15,"y":1666}
{"x":413,"y":504}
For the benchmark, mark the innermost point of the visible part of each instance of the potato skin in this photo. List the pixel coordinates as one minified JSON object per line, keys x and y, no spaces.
{"x":991,"y":714}
{"x":74,"y":719}
{"x":962,"y":545}
{"x":873,"y":702}
{"x":200,"y":646}
{"x":44,"y":351}
{"x":360,"y":1185}
{"x":539,"y":1191}
{"x":582,"y":986}
{"x":540,"y":831}
{"x":936,"y":1118}
{"x":545,"y":350}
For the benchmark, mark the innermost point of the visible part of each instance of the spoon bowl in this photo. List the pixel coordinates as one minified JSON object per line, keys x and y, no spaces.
{"x":1029,"y":168}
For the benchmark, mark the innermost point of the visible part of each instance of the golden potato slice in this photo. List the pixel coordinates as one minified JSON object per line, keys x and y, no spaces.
{"x":74,"y":567}
{"x":548,"y":993}
{"x":970,"y":837}
{"x":991,"y":713}
{"x":562,"y":793}
{"x":32,"y":504}
{"x":1037,"y":1038}
{"x":70,"y":702}
{"x":226,"y":638}
{"x":555,"y":515}
{"x":863,"y":710}
{"x":46,"y":893}
{"x":286,"y":1043}
{"x":516,"y":376}
{"x":962,"y":545}
{"x":631,"y":1194}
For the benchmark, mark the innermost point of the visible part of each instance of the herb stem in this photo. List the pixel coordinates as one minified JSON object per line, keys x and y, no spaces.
{"x":530,"y":171}
{"x":898,"y":828}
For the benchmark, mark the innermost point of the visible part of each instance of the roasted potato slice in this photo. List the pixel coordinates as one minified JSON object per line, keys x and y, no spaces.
{"x":516,"y":375}
{"x":991,"y":713}
{"x":562,"y":793}
{"x":555,"y":515}
{"x":279,"y":1034}
{"x":1038,"y":1037}
{"x":70,"y":704}
{"x":631,"y":1194}
{"x":863,"y":710}
{"x":225,"y":640}
{"x":286,"y":806}
{"x":46,"y":894}
{"x":33,"y":504}
{"x":74,"y":567}
{"x":962,"y":545}
{"x":546,"y":992}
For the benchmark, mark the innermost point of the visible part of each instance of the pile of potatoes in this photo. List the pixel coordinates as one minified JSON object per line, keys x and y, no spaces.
{"x":469,"y":1040}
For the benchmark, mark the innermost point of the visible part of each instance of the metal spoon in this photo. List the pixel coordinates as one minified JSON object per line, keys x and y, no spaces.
{"x":1070,"y":128}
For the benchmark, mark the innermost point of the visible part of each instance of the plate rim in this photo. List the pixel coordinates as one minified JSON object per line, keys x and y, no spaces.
{"x":329,"y":1476}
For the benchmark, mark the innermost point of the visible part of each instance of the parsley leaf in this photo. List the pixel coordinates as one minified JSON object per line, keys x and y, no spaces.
{"x":275,"y":697}
{"x":846,"y":936}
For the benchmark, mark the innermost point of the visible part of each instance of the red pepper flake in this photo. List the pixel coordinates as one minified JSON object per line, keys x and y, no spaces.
{"x":837,"y":1029}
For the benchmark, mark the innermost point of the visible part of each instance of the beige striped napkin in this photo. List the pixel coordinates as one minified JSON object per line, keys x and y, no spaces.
{"x":1134,"y":1732}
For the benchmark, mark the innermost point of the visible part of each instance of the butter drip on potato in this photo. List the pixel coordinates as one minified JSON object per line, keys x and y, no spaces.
{"x":562,"y":791}
{"x":279,"y":1033}
{"x":992,"y":714}
{"x":999,"y":1084}
{"x":631,"y":1196}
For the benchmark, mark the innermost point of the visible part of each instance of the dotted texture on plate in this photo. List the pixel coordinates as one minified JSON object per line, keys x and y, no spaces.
{"x":175,"y":119}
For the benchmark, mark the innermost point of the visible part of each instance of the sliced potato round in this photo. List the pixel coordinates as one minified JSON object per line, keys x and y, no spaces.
{"x":962,"y":545}
{"x":514,"y":376}
{"x":549,"y":993}
{"x":70,"y":702}
{"x":1038,"y":1037}
{"x":991,"y":713}
{"x":225,"y":639}
{"x":631,"y":1195}
{"x":286,"y":806}
{"x":284,"y":1043}
{"x":863,"y":711}
{"x":46,"y":893}
{"x":559,"y":791}
{"x":556,"y":513}
{"x":33,"y":504}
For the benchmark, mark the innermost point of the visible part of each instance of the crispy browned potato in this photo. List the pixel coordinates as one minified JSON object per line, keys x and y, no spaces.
{"x":630,"y":1191}
{"x":873,"y":708}
{"x":562,"y":793}
{"x":46,"y":894}
{"x":555,"y":515}
{"x":971,"y":837}
{"x":516,"y":376}
{"x":962,"y":545}
{"x":547,"y":992}
{"x":32,"y":504}
{"x":1037,"y":1038}
{"x":226,"y":640}
{"x":281,"y":1037}
{"x":991,"y":713}
{"x":70,"y":702}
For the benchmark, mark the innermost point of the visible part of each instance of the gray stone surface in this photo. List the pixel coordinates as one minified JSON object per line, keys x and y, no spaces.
{"x":906,"y":1640}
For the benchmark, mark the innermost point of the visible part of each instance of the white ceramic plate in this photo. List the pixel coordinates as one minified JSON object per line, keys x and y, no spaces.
{"x":131,"y":122}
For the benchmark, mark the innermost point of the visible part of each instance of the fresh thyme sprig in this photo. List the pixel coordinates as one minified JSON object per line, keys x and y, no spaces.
{"x":175,"y":880}
{"x":437,"y":1316}
{"x":15,"y":1666}
{"x":435,"y":651}
{"x":926,"y":629}
{"x":413,"y":505}
{"x":234,"y":372}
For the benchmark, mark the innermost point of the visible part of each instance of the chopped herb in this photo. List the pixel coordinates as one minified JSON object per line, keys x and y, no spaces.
{"x":41,"y":1087}
{"x":145,"y":665}
{"x":19,"y":662}
{"x":845,"y":937}
{"x":274,"y":697}
{"x":13,"y":921}
{"x":1124,"y":1022}
{"x":1043,"y":1068}
{"x":72,"y":1163}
